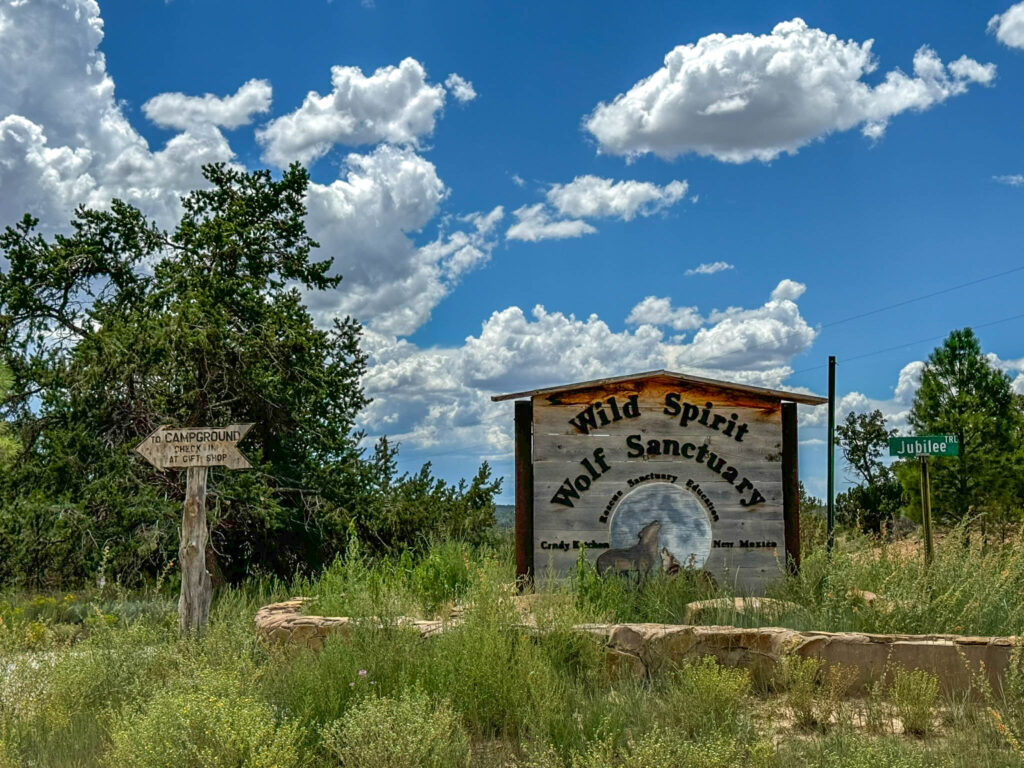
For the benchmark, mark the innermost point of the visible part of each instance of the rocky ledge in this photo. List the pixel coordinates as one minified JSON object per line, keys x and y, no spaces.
{"x":959,"y":662}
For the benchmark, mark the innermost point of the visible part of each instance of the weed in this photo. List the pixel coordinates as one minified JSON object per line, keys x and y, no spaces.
{"x":913,"y":695}
{"x":813,"y":690}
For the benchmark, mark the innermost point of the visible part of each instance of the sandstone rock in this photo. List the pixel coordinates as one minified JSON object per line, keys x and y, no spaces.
{"x":640,"y":650}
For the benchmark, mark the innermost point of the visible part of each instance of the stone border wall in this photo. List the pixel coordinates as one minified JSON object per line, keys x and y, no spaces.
{"x":645,"y":649}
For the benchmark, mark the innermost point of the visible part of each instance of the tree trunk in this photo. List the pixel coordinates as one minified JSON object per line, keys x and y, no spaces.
{"x":196,"y":590}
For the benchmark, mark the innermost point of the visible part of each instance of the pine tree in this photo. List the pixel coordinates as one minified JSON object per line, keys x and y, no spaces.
{"x":962,"y":394}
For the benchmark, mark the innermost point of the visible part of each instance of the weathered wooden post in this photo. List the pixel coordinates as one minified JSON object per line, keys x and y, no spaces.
{"x":194,"y":449}
{"x":196,"y":591}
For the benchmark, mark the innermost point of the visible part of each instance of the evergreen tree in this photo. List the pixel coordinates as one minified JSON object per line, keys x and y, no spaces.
{"x":119,"y":327}
{"x":8,"y":443}
{"x":962,"y":394}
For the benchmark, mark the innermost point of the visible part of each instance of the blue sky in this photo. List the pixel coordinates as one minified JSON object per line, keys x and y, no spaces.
{"x":826,"y":168}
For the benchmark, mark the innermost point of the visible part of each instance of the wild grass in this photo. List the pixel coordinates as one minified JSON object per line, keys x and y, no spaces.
{"x":101,"y":678}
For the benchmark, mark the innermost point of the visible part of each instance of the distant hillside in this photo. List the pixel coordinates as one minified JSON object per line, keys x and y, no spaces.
{"x":505,"y":515}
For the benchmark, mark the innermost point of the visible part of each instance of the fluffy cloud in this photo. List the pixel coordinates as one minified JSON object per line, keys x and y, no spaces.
{"x":593,"y":197}
{"x":710,"y":269}
{"x":394,"y":104}
{"x":440,"y":398}
{"x":788,"y":289}
{"x":590,"y":197}
{"x":745,"y":97}
{"x":1008,"y":27}
{"x":364,"y":221}
{"x":176,"y":110}
{"x":659,"y":311}
{"x":64,"y":141}
{"x":753,"y":340}
{"x":63,"y":137}
{"x":460,"y":88}
{"x":534,"y":223}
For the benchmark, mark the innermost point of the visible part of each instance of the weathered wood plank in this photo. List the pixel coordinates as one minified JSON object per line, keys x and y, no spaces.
{"x":549,"y":419}
{"x":655,"y":389}
{"x":550,"y":477}
{"x":524,"y":491}
{"x":720,"y":564}
{"x":583,"y":519}
{"x":567,"y":447}
{"x":730,"y":530}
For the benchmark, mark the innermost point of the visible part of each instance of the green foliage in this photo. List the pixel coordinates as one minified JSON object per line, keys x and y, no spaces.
{"x":9,"y":446}
{"x":721,"y":691}
{"x":393,"y":512}
{"x":442,"y":576}
{"x":410,"y":731}
{"x":205,"y":724}
{"x":660,"y":598}
{"x":118,"y":327}
{"x":813,"y":690}
{"x":871,"y":508}
{"x":129,"y":692}
{"x":962,"y":394}
{"x":913,"y":695}
{"x":864,"y":439}
{"x":874,"y":503}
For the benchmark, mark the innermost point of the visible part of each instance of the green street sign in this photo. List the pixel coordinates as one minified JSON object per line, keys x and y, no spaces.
{"x":924,"y":445}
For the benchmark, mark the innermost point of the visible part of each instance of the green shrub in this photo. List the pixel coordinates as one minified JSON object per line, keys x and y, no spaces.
{"x":813,"y":690}
{"x":410,"y":731}
{"x":913,"y":695}
{"x":442,"y":575}
{"x":207,"y":726}
{"x":701,"y":697}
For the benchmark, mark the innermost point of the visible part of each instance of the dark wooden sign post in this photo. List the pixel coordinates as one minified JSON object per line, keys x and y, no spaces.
{"x":658,"y":470}
{"x":194,"y":449}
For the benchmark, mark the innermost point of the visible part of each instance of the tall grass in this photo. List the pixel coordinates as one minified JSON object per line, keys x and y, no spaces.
{"x":103,"y":680}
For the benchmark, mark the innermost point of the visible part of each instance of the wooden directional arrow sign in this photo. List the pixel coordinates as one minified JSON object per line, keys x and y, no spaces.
{"x":170,"y":448}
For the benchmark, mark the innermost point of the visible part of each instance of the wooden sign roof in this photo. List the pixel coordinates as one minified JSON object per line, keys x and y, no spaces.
{"x":684,"y":378}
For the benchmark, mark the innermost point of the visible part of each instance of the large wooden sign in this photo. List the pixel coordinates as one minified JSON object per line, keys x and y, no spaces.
{"x":663,"y":471}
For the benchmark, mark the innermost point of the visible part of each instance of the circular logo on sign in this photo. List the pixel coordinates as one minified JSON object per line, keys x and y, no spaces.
{"x":666,"y":520}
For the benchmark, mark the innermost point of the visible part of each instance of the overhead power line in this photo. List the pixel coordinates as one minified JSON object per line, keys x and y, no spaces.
{"x":922,"y":298}
{"x":909,"y":344}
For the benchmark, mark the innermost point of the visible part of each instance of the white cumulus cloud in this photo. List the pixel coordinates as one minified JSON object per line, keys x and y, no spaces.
{"x":788,"y":289}
{"x":534,"y":223}
{"x":64,"y":139}
{"x":655,"y":310}
{"x":365,"y":221}
{"x":460,"y":88}
{"x":594,"y":197}
{"x":710,"y":268}
{"x":394,"y":104}
{"x":176,"y":110}
{"x":1008,"y":27}
{"x":591,"y":197}
{"x":752,"y":97}
{"x":439,"y":398}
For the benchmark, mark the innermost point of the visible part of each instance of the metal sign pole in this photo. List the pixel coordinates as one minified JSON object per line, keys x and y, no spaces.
{"x":831,"y":521}
{"x":926,"y":509}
